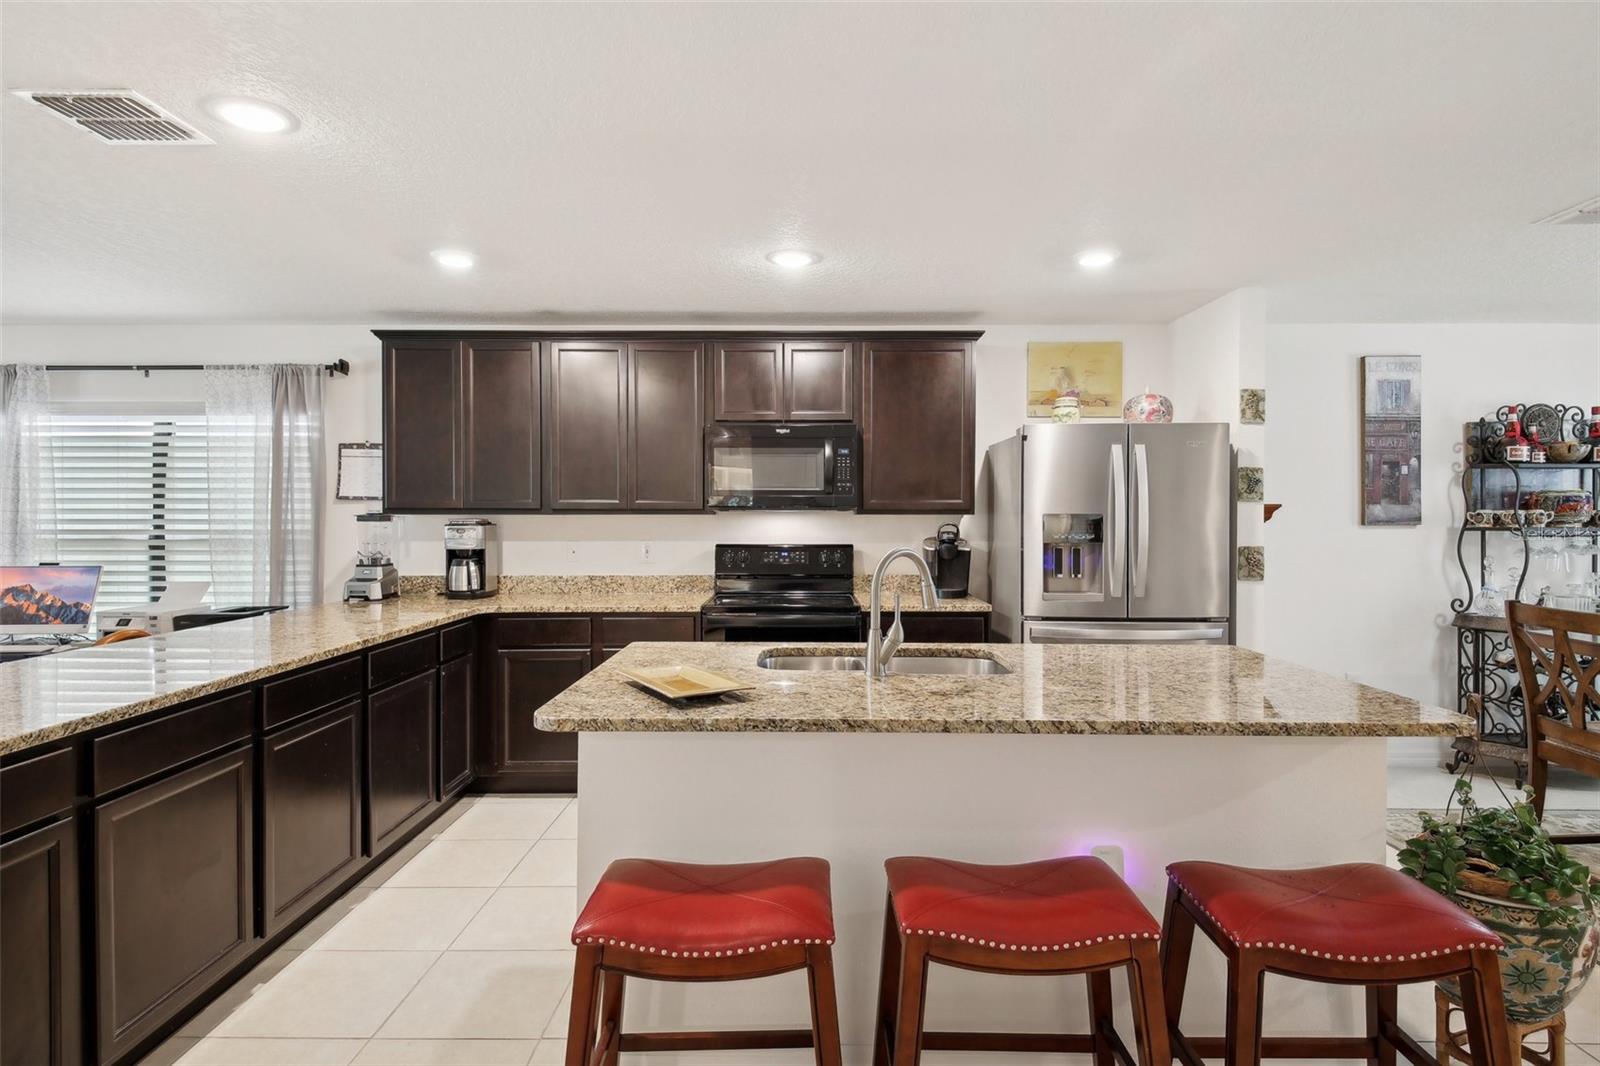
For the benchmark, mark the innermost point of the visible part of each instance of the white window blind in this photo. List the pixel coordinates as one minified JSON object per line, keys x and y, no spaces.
{"x":132,"y":493}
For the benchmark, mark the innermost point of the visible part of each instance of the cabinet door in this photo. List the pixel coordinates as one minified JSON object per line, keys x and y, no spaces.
{"x":41,"y":1003}
{"x":666,"y":420}
{"x":819,"y":381}
{"x":174,"y":904}
{"x":501,"y":382}
{"x":455,"y":724}
{"x":422,"y":425}
{"x":747,"y":381}
{"x":525,"y":678}
{"x":400,"y":757}
{"x":310,"y":813}
{"x":917,"y":412}
{"x":586,"y":425}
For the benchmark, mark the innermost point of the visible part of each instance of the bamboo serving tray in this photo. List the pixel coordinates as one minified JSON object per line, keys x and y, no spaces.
{"x":683,"y":682}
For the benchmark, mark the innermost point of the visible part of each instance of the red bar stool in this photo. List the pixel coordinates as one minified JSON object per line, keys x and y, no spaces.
{"x":679,"y":921}
{"x":1071,"y":915}
{"x":1360,"y":924}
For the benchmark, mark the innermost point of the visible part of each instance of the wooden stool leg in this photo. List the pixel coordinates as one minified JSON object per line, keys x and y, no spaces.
{"x":824,"y":1005}
{"x":1245,"y":978}
{"x":1177,"y":938}
{"x":1383,"y":1004}
{"x":1558,"y":1040}
{"x":1101,"y":1017}
{"x":1488,"y":1030}
{"x":913,"y":987}
{"x":1149,"y":1007}
{"x":611,"y":1014}
{"x":888,"y":988}
{"x":585,"y":1017}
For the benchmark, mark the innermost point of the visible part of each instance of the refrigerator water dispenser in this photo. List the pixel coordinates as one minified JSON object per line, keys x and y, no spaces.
{"x":1074,"y":553}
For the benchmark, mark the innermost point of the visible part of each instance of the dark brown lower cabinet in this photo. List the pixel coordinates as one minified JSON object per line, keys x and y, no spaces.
{"x":311,"y":812}
{"x":939,"y":628}
{"x":455,"y":724}
{"x":524,"y":679}
{"x":400,"y":757}
{"x":174,"y":904}
{"x":41,"y":1002}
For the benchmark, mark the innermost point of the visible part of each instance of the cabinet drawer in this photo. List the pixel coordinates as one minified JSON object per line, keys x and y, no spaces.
{"x":533,"y":632}
{"x":33,"y":790}
{"x":618,"y":630}
{"x":455,"y":641}
{"x":324,"y":686}
{"x":402,"y":659}
{"x":134,"y":754}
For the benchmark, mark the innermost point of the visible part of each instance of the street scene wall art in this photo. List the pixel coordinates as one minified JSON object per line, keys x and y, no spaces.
{"x":1092,"y":369}
{"x":1391,"y":440}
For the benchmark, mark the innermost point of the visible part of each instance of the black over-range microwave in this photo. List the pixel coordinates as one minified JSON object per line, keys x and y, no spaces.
{"x":776,"y":466}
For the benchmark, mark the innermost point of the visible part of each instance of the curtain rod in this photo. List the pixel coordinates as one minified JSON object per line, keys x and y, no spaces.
{"x":341,"y":367}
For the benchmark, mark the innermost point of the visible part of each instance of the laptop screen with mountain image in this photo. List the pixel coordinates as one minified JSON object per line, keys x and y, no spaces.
{"x":47,"y":599}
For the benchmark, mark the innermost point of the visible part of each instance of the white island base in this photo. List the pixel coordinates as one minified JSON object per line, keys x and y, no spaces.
{"x":858,"y":798}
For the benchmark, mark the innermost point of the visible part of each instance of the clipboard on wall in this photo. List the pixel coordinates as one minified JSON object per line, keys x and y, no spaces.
{"x":360,"y":472}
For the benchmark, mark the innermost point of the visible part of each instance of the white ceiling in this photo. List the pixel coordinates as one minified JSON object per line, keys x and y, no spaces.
{"x":1361,"y":162}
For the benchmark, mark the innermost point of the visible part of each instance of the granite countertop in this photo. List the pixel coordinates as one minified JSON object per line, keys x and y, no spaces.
{"x":53,"y":696}
{"x":1209,"y":690}
{"x":911,"y":596}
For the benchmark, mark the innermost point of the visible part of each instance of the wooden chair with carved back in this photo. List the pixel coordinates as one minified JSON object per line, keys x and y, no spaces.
{"x":1558,"y":657}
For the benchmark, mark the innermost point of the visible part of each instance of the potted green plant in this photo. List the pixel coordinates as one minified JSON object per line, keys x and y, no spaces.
{"x":1500,"y":865}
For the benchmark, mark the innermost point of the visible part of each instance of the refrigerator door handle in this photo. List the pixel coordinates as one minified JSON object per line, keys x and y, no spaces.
{"x":1081,"y":633}
{"x":1118,"y":505}
{"x":1141,"y":551}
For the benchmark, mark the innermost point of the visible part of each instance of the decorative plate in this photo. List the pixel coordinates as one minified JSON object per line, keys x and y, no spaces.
{"x":682,"y":682}
{"x":1542,"y":417}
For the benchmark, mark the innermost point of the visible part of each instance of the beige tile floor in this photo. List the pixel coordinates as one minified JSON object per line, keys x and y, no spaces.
{"x":455,"y":953}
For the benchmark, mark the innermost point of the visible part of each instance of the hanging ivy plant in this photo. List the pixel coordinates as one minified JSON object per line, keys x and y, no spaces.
{"x":1503,"y":852}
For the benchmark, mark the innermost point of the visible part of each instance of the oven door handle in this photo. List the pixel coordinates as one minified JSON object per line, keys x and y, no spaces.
{"x":796,"y":620}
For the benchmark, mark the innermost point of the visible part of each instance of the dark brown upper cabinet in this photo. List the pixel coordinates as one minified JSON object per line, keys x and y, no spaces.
{"x":819,"y":381}
{"x":624,"y":426}
{"x":783,"y":381}
{"x":666,"y":419}
{"x":461,"y":424}
{"x":501,"y":383}
{"x":917,"y":414}
{"x":423,"y":420}
{"x":747,"y":381}
{"x":586,"y":415}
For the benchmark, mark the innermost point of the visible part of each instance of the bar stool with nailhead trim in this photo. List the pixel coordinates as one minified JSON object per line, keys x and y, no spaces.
{"x":1353,"y":924}
{"x":679,"y":921}
{"x":1070,"y":915}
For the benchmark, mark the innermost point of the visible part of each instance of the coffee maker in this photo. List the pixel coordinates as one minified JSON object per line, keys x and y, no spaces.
{"x":471,"y":558}
{"x":950,"y":559}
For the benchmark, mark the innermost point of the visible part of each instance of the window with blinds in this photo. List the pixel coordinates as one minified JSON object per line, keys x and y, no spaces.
{"x":135,"y":494}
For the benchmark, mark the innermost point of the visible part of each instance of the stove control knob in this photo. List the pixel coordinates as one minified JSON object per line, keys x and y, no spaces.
{"x":744,"y":558}
{"x":727,"y":557}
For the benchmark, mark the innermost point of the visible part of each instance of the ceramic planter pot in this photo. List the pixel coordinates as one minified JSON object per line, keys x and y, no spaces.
{"x":1541,"y":969}
{"x":1066,"y":409}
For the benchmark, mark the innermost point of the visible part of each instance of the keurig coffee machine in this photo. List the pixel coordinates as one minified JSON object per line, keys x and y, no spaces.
{"x":471,"y":558}
{"x":950,"y":559}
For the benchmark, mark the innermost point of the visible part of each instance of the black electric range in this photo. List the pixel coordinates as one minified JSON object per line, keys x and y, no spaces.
{"x":782,"y":592}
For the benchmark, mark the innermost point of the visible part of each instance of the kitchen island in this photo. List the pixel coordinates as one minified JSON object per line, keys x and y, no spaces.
{"x":1165,"y":752}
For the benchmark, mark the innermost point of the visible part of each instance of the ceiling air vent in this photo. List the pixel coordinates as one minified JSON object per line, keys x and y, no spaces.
{"x":1585,"y":214}
{"x":118,"y":116}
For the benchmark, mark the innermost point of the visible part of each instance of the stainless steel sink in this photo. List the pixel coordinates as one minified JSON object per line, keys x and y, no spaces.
{"x":947,"y":665}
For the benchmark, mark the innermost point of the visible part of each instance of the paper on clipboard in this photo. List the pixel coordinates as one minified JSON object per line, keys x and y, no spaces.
{"x":360,"y":472}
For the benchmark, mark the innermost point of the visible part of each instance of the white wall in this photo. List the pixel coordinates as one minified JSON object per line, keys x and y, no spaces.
{"x":544,"y":544}
{"x":1372,"y":603}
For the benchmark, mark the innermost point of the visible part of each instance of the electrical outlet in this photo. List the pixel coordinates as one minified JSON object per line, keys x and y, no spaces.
{"x":645,"y":551}
{"x":1110,"y":854}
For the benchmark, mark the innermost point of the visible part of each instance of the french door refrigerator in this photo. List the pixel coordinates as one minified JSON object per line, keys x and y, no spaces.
{"x":1112,"y":533}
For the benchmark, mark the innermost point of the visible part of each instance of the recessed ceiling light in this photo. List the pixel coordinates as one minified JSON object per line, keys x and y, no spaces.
{"x":1097,"y":259}
{"x":454,"y":259}
{"x":257,"y":116}
{"x":794,"y":258}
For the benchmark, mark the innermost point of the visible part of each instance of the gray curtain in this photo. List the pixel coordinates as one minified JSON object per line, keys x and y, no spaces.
{"x":297,"y":485}
{"x":27,"y":474}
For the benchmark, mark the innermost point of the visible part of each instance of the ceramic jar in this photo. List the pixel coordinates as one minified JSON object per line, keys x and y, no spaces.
{"x":1147,"y":407}
{"x":1066,"y":409}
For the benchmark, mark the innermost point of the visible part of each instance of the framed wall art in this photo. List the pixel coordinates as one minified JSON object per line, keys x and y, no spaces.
{"x":1391,"y":440}
{"x":1092,"y":369}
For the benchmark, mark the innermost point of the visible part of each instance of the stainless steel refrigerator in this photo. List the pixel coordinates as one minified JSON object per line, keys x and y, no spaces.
{"x":1112,"y":533}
